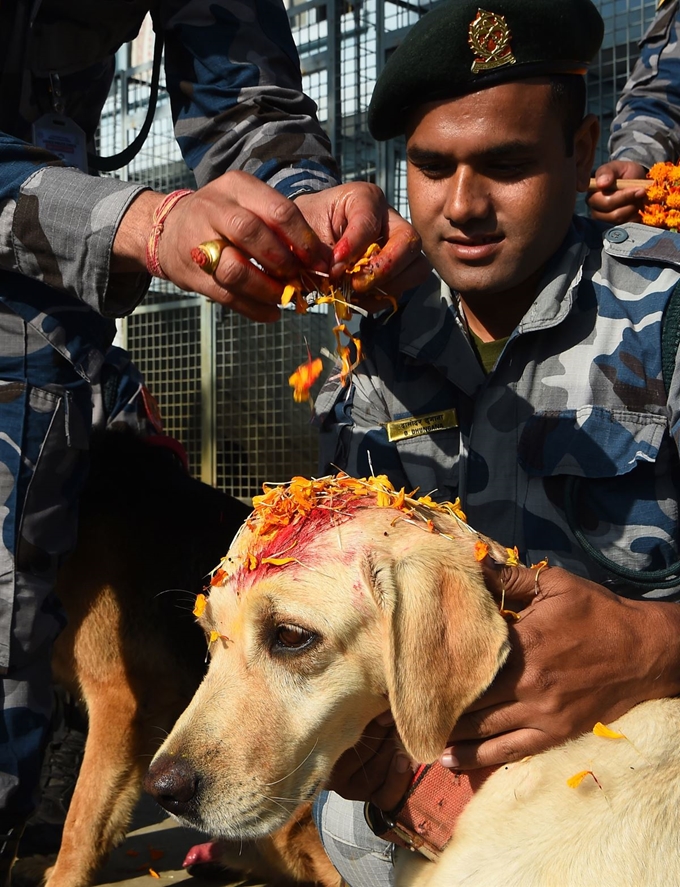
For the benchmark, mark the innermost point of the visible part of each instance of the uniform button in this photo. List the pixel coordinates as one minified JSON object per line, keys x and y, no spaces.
{"x":617,"y":235}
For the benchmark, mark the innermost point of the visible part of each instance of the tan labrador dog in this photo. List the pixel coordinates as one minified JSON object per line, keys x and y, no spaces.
{"x":336,"y":600}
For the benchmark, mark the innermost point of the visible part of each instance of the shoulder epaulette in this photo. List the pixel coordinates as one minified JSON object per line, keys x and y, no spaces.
{"x":644,"y":243}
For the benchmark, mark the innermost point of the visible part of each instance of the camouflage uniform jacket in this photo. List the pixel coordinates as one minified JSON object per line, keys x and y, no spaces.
{"x":574,"y":406}
{"x":646,"y":128}
{"x":233,"y":75}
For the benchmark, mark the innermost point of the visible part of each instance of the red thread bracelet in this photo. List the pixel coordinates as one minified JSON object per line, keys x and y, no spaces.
{"x":153,"y":266}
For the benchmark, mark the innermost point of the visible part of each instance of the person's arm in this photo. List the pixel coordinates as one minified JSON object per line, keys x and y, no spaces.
{"x":646,"y":128}
{"x":57,"y":226}
{"x":234,"y":79}
{"x":233,"y":74}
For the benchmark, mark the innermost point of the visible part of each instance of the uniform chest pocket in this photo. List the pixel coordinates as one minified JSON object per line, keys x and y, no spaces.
{"x":430,"y":462}
{"x":614,"y":473}
{"x":590,"y":442}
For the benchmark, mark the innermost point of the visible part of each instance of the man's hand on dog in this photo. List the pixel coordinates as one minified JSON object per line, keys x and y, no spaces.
{"x":375,"y":769}
{"x":580,"y":654}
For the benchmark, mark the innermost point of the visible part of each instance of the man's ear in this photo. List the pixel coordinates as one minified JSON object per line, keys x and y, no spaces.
{"x":585,"y":144}
{"x":446,"y":640}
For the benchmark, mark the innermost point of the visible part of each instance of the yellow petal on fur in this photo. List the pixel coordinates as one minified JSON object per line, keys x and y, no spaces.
{"x":513,"y":557}
{"x":604,"y":731}
{"x":213,"y":636}
{"x":199,"y":606}
{"x":251,"y":561}
{"x":576,"y":780}
{"x":279,"y":561}
{"x":154,"y":874}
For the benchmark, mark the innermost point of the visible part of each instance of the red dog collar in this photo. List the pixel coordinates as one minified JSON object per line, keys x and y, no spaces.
{"x":426,"y":817}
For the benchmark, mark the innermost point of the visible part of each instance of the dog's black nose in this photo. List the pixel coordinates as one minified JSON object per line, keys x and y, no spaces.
{"x":172,"y":783}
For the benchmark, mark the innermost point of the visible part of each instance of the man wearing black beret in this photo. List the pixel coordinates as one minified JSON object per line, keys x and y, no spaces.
{"x":532,"y":383}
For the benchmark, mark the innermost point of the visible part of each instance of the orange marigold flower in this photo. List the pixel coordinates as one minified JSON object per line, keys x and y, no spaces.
{"x":656,"y":194}
{"x":672,"y":221}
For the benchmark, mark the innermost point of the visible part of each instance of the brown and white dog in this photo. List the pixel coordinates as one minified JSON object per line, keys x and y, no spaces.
{"x":337,"y":599}
{"x":133,"y":656}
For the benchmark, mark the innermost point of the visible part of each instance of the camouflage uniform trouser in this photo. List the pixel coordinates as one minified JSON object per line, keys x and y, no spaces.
{"x":362,"y":859}
{"x":46,"y":412}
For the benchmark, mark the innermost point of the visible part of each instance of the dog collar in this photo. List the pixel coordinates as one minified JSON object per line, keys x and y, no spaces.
{"x":427,"y":814}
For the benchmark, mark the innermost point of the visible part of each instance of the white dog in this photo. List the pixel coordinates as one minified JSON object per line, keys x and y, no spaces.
{"x":340,"y":598}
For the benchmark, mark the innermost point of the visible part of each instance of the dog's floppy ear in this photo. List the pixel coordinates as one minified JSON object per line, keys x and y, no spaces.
{"x":446,"y":639}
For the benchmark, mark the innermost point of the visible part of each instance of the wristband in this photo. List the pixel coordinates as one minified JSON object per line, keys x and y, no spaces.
{"x":153,"y":266}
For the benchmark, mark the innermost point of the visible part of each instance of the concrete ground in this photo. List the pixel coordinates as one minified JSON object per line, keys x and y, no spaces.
{"x":152,"y":854}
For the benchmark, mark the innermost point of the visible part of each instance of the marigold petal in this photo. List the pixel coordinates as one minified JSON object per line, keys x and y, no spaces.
{"x":576,"y":780}
{"x":602,"y":730}
{"x":200,"y":605}
{"x":513,"y":557}
{"x":288,"y":294}
{"x":481,"y":550}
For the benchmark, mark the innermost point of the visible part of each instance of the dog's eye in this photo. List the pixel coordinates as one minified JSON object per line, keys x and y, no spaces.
{"x":293,"y":637}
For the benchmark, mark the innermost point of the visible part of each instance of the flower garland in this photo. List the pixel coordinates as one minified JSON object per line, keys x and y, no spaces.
{"x":663,"y":208}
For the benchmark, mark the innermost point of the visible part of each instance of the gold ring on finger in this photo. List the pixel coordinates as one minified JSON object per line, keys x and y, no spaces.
{"x":207,"y":255}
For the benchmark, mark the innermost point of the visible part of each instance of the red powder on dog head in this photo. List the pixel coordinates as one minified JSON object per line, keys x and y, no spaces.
{"x":288,"y":516}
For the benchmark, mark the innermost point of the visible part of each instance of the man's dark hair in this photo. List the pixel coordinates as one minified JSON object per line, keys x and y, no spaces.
{"x":568,"y":98}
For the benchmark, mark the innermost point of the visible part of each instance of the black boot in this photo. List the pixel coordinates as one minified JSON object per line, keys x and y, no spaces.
{"x":61,"y":765}
{"x":9,"y":845}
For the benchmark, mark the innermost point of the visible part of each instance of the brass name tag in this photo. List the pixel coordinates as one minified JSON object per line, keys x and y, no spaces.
{"x":418,"y":425}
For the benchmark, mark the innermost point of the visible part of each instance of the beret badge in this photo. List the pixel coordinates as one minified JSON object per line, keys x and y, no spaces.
{"x":489,"y":38}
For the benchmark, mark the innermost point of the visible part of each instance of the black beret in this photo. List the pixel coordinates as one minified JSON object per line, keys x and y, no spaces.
{"x":459,"y":48}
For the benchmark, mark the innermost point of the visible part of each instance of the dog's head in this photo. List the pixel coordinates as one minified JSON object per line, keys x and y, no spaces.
{"x":337,"y":600}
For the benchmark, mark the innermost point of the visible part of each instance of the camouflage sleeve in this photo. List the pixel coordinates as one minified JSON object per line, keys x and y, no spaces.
{"x":57,"y":225}
{"x":234,"y":79}
{"x":646,"y":128}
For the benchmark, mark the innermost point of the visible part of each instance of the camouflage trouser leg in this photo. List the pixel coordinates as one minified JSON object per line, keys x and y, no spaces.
{"x":45,"y":415}
{"x":362,"y":859}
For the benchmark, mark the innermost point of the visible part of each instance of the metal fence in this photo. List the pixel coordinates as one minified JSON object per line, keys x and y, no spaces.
{"x":221,"y":381}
